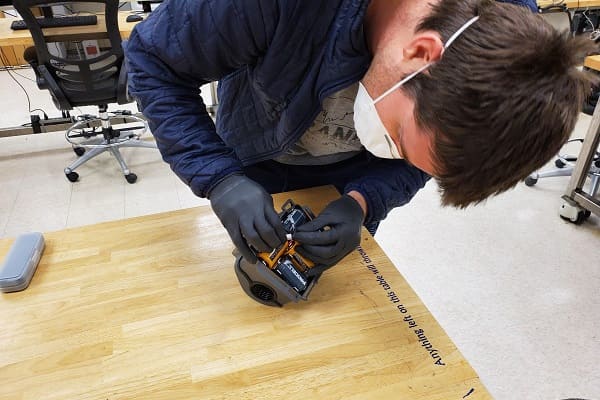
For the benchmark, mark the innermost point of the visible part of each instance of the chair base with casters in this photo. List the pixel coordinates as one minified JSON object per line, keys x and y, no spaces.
{"x":93,"y":136}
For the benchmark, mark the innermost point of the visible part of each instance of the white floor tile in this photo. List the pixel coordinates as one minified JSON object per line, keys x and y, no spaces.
{"x":97,"y":189}
{"x":80,"y":216}
{"x":30,"y":217}
{"x":14,"y":107}
{"x":187,"y":198}
{"x":4,"y":214}
{"x":136,"y":205}
{"x":9,"y":190}
{"x":155,"y":190}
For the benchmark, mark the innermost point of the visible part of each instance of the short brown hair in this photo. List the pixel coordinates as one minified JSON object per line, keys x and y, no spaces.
{"x":502,"y":100}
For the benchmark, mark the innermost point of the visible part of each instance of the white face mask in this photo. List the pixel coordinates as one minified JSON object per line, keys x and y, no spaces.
{"x":369,"y":128}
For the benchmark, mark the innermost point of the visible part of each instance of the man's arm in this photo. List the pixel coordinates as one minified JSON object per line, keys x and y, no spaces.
{"x":336,"y":231}
{"x":531,"y":4}
{"x":181,"y":46}
{"x":387,"y":184}
{"x":360,"y":199}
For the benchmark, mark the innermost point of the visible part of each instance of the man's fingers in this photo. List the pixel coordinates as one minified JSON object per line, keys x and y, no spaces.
{"x":242,"y":246}
{"x":252,"y":237}
{"x":328,"y":237}
{"x":275,"y":223}
{"x":314,"y":225}
{"x":267,"y":233}
{"x":318,"y":254}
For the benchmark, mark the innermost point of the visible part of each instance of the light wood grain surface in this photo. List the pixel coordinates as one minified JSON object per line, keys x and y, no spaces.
{"x":8,"y":37}
{"x":574,"y":4}
{"x":150,"y":308}
{"x":593,"y":62}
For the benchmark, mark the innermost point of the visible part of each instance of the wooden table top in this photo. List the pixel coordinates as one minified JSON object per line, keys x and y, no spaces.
{"x":8,"y":37}
{"x":593,"y":62}
{"x":150,"y":308}
{"x":570,"y":3}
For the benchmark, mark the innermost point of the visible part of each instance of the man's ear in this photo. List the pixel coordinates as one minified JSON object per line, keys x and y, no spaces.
{"x":426,"y":46}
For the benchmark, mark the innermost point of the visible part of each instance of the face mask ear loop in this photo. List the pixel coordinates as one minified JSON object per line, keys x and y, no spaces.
{"x":460,"y":31}
{"x":423,"y":68}
{"x":402,"y":82}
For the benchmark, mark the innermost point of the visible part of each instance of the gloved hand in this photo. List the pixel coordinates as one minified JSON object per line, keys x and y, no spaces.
{"x":332,"y":235}
{"x":246,"y":210}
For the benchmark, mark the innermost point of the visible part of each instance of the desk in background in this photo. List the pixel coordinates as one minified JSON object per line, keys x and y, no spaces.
{"x":571,"y":4}
{"x":14,"y":43}
{"x":150,"y":307}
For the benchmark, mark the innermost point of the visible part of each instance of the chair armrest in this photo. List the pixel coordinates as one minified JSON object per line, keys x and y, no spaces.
{"x":555,"y":8}
{"x":30,"y":55}
{"x":45,"y":80}
{"x":58,"y":96}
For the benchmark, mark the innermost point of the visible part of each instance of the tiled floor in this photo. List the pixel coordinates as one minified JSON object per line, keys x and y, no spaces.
{"x":36,"y":194}
{"x":515,"y":287}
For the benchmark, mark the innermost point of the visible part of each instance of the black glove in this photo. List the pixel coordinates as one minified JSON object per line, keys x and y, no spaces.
{"x":246,"y":211}
{"x":332,"y":235}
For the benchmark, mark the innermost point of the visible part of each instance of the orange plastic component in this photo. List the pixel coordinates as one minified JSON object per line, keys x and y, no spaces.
{"x":287,"y":249}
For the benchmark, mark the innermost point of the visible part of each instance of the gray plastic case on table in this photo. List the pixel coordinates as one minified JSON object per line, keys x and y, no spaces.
{"x":21,"y":262}
{"x":264,"y":286}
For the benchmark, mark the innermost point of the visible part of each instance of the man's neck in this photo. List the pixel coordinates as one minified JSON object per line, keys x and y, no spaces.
{"x":380,"y":15}
{"x":386,"y":19}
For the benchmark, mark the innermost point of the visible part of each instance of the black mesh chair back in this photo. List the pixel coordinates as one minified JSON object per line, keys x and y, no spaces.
{"x":75,"y":78}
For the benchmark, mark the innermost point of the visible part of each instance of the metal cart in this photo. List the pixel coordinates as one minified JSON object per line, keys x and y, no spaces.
{"x":578,"y":204}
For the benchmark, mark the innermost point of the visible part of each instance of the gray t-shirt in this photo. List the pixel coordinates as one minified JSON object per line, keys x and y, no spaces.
{"x":331,"y":137}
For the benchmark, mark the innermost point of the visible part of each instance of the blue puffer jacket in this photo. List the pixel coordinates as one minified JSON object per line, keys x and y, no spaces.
{"x":531,"y":4}
{"x":276,"y":61}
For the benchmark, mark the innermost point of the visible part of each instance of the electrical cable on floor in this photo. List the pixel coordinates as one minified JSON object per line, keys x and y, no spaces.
{"x":9,"y":14}
{"x":22,"y":76}
{"x":5,"y":66}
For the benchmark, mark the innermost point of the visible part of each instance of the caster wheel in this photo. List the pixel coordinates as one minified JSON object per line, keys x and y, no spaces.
{"x":529,"y":181}
{"x":574,"y":214}
{"x":131,"y":178}
{"x":581,"y":216}
{"x":559,"y":163}
{"x":72,"y":176}
{"x":79,"y":151}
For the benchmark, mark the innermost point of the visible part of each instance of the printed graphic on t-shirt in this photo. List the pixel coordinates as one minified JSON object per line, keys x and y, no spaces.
{"x":331,"y":137}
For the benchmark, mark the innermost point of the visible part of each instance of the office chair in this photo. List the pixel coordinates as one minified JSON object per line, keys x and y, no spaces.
{"x":564,"y":167}
{"x":79,"y":79}
{"x":559,"y":16}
